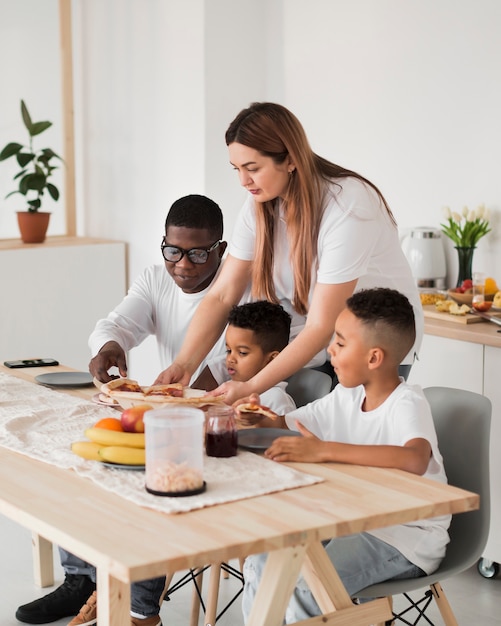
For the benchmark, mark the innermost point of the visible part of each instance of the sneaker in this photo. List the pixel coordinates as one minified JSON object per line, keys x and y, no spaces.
{"x":146,"y":621}
{"x":88,"y":613}
{"x":64,"y":601}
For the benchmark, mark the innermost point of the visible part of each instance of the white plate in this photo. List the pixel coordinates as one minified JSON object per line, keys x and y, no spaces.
{"x":65,"y":379}
{"x":260,"y":439}
{"x":124,"y":466}
{"x":104,"y":400}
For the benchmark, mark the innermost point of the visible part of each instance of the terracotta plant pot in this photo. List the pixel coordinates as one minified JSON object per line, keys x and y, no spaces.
{"x":33,"y":226}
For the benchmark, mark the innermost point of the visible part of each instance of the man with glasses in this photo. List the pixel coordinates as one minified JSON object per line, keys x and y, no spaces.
{"x":160,"y":302}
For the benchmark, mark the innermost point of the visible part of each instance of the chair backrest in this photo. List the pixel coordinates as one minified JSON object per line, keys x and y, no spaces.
{"x":307,"y":385}
{"x":462,"y":421}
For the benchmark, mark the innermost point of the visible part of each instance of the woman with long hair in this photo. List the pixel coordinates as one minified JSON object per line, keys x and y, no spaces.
{"x":309,"y":235}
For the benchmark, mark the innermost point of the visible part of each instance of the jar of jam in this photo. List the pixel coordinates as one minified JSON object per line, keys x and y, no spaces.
{"x":221,"y":432}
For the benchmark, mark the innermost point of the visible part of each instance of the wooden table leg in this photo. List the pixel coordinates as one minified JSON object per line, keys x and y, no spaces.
{"x":113,"y":599}
{"x":276,"y":586}
{"x":43,"y":564}
{"x":331,"y":595}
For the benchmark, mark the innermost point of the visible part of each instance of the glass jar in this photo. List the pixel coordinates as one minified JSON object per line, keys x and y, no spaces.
{"x":174,"y":451}
{"x":221,"y":432}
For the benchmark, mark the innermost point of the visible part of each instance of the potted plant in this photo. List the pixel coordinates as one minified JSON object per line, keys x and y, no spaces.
{"x":37,"y":167}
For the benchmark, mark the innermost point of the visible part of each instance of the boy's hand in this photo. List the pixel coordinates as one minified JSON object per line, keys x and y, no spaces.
{"x":306,"y":449}
{"x":248,"y":420}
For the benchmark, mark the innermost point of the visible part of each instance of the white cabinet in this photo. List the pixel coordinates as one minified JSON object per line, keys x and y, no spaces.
{"x":492,"y":390}
{"x":53,"y":294}
{"x":449,"y":363}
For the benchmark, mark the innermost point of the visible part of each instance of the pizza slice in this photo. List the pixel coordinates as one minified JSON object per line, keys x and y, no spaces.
{"x":250,"y":407}
{"x":172,"y":390}
{"x":123,"y":388}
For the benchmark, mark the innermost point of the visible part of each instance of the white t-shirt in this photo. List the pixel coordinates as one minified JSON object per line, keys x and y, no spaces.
{"x":357,"y":240}
{"x":404,"y":415}
{"x":154,"y":305}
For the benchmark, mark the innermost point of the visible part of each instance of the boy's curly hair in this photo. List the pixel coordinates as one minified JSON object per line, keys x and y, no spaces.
{"x":389,"y":314}
{"x":270,"y":323}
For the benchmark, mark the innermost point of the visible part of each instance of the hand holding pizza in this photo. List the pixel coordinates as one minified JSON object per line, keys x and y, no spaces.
{"x":110,"y":355}
{"x":249,"y":412}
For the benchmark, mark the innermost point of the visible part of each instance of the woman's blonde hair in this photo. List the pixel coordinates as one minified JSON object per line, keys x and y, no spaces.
{"x":274,"y":131}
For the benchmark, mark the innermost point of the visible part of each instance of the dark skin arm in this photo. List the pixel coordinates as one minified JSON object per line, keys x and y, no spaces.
{"x":412,"y":457}
{"x":110,"y":355}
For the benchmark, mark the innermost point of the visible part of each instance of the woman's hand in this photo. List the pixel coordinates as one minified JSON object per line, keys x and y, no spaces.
{"x":175,"y":373}
{"x":232,"y":391}
{"x":306,"y":449}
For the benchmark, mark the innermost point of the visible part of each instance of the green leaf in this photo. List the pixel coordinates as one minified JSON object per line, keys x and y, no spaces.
{"x":12,"y":193}
{"x":53,"y":191}
{"x":50,"y":154}
{"x":26,"y":116}
{"x":9,"y":150}
{"x":34,"y":204}
{"x":19,"y":174}
{"x":32,"y":181}
{"x":23,"y":158}
{"x":39,"y":127}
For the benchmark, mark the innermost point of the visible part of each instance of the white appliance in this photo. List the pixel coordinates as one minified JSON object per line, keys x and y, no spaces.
{"x":424,"y":251}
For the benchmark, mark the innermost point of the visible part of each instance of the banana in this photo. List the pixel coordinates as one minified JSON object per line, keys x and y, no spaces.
{"x":123,"y":455}
{"x":87,"y":450}
{"x":106,"y":437}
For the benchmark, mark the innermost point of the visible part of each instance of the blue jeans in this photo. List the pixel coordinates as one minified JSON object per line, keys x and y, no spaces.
{"x":144,"y":595}
{"x":360,"y":560}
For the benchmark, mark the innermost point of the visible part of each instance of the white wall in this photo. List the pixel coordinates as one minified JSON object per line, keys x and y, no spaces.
{"x":407,"y":93}
{"x":30,"y":71}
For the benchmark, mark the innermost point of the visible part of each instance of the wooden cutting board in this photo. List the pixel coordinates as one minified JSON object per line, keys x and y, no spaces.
{"x":431,"y":312}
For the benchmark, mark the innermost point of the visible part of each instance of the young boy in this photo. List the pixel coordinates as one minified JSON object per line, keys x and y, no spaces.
{"x":256,"y":333}
{"x":374,"y":418}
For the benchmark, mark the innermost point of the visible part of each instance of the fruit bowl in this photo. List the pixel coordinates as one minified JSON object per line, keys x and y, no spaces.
{"x":466,"y":298}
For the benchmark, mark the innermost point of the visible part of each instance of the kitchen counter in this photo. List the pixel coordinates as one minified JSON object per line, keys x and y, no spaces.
{"x":484,"y":333}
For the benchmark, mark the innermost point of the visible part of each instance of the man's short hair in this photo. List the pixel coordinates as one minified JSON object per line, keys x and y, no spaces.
{"x":270,"y":323}
{"x":390,"y":315}
{"x":195,"y":211}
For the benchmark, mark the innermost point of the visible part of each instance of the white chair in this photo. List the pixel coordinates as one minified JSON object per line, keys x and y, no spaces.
{"x":462,"y":421}
{"x":307,"y":385}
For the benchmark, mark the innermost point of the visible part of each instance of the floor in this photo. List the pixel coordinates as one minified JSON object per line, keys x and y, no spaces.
{"x":475,"y":600}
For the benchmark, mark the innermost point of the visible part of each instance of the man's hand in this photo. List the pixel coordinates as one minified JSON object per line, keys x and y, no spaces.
{"x":110,"y":355}
{"x":306,"y":449}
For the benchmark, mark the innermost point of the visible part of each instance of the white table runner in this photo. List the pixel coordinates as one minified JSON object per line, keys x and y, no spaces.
{"x":42,"y":423}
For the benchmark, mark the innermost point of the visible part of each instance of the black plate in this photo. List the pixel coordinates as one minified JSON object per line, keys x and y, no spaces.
{"x":260,"y":439}
{"x":65,"y":379}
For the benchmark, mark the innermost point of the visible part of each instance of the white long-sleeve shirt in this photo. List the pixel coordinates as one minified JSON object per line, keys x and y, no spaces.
{"x":154,"y":305}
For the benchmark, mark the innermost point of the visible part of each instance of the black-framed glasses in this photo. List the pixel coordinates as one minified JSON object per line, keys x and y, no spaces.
{"x":173,"y":254}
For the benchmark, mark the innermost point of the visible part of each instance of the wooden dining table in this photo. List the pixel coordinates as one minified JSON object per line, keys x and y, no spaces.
{"x":127,"y":542}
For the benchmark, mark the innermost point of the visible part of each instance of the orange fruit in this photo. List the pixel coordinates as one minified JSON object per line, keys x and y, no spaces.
{"x":490,"y":286}
{"x":110,"y":423}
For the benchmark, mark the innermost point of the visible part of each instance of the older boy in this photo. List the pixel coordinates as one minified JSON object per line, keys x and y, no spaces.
{"x":374,"y":418}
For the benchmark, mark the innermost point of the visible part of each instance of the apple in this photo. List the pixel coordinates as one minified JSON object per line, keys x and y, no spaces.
{"x":132,"y":418}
